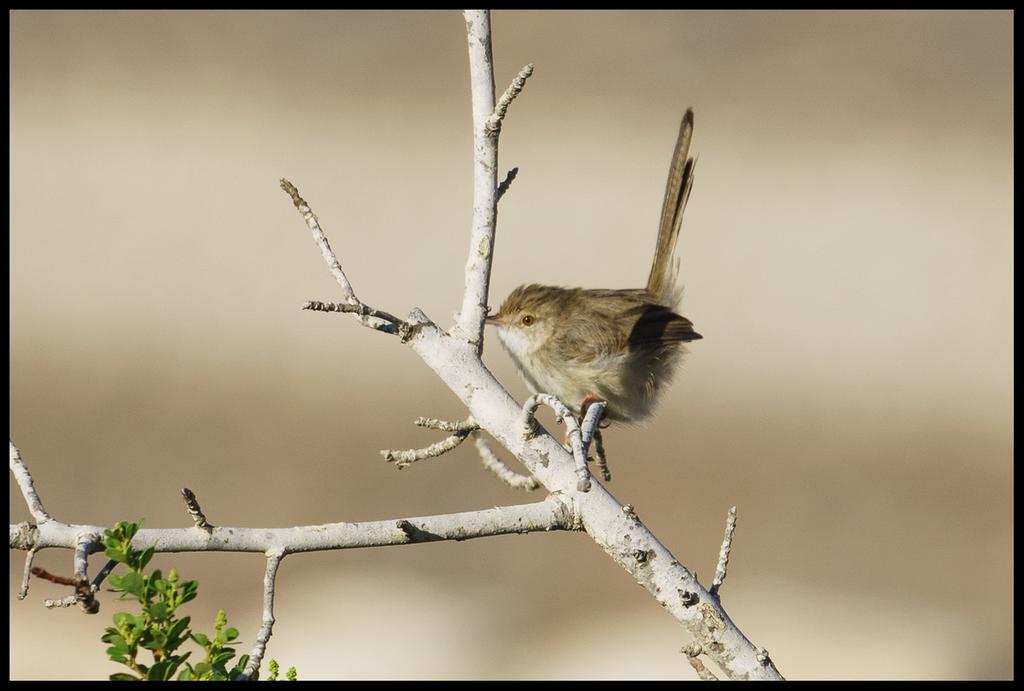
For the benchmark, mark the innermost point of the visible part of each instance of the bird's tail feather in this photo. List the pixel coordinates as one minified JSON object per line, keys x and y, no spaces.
{"x":661,"y":282}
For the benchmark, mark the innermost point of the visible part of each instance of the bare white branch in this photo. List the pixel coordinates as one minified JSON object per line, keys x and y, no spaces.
{"x":551,"y":514}
{"x":506,"y":474}
{"x":28,"y":491}
{"x":723,"y":554}
{"x":266,"y":628}
{"x":469,"y":325}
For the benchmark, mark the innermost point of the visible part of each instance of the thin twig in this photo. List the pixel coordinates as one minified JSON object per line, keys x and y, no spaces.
{"x":194,"y":510}
{"x":467,"y":425}
{"x":529,"y":430}
{"x":266,"y":628}
{"x":496,"y":466}
{"x":692,"y":652}
{"x":321,"y":240}
{"x":29,"y":556}
{"x":493,"y":125}
{"x":410,"y":456}
{"x":53,"y":578}
{"x":62,"y":602}
{"x":102,"y":574}
{"x":723,"y":555}
{"x":379,"y":323}
{"x":506,"y":183}
{"x":385,"y":321}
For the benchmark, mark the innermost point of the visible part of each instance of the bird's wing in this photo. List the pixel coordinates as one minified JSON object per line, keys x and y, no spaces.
{"x":657,"y":325}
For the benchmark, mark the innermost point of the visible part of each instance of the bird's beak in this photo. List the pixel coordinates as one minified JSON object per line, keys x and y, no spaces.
{"x":491,"y":318}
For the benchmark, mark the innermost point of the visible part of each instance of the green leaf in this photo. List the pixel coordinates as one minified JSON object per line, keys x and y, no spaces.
{"x":132,"y":583}
{"x":157,"y":671}
{"x":176,"y":634}
{"x":120,"y":618}
{"x":147,"y":554}
{"x":222,"y":658}
{"x":112,"y":636}
{"x":123,"y":676}
{"x":153,"y":640}
{"x":158,"y":611}
{"x":201,"y":639}
{"x":189,"y":591}
{"x":176,"y":662}
{"x":117,"y":554}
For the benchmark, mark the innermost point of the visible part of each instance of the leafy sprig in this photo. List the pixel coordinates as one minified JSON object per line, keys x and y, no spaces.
{"x":158,"y":629}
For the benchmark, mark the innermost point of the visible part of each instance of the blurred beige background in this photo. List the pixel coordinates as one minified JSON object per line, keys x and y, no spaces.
{"x":846,"y":254}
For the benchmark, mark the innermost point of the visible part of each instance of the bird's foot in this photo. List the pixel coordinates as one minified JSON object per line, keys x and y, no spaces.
{"x":588,"y":401}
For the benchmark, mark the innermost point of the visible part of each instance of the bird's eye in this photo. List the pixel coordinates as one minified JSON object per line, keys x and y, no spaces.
{"x":527,"y":320}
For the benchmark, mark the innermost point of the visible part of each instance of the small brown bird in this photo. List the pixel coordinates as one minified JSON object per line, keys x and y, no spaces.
{"x":619,"y":346}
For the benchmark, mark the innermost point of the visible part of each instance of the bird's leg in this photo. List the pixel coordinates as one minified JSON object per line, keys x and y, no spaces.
{"x":589,"y":400}
{"x":593,"y":434}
